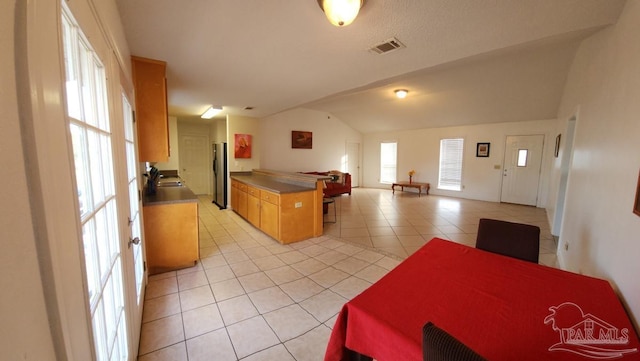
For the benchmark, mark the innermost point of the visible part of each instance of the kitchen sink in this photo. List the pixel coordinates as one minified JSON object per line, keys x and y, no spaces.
{"x":170,"y":182}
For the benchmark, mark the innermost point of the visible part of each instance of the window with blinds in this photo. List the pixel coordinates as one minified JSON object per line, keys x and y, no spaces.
{"x":450,"y":174}
{"x":388,"y":162}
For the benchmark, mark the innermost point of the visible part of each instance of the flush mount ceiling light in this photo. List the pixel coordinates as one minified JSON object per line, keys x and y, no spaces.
{"x":341,"y":12}
{"x":401,"y":93}
{"x":211,"y":112}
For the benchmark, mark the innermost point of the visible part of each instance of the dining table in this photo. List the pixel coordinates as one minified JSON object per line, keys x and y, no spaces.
{"x":503,"y":308}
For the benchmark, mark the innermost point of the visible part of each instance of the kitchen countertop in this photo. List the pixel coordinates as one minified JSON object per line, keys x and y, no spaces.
{"x":169,"y":195}
{"x":269,"y":184}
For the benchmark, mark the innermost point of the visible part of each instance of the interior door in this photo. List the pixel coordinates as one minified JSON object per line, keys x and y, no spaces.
{"x":353,"y":163}
{"x":194,"y":162}
{"x":521,"y":171}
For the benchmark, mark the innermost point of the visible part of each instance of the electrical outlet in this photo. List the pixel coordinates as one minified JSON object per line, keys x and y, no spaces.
{"x":566,"y":246}
{"x":496,"y":166}
{"x":298,"y":204}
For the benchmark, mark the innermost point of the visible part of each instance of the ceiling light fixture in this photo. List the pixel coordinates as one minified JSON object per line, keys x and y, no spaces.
{"x":401,"y":93}
{"x":341,"y":12}
{"x":211,"y":112}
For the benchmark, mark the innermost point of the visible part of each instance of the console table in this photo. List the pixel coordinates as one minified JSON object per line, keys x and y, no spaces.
{"x":417,"y":185}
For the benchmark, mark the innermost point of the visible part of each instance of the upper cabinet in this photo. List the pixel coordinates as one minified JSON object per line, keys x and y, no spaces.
{"x":151,"y":109}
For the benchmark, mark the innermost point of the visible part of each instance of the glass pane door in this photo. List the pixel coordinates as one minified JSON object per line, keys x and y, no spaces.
{"x":134,"y":258}
{"x":92,"y":139}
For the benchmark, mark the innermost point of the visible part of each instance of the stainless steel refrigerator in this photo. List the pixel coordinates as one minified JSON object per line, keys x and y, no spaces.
{"x":220,"y":174}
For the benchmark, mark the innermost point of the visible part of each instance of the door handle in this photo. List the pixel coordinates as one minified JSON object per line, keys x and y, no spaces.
{"x":135,"y":241}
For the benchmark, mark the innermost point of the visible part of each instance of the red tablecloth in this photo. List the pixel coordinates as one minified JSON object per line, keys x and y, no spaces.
{"x":494,"y":304}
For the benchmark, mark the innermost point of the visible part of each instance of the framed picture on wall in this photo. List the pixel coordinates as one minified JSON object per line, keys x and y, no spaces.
{"x":301,"y":139}
{"x":482,"y":150}
{"x":242,"y":147}
{"x":636,"y":204}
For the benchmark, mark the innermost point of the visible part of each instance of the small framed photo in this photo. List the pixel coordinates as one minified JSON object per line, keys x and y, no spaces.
{"x":482,"y":149}
{"x":557,"y":150}
{"x":636,"y":204}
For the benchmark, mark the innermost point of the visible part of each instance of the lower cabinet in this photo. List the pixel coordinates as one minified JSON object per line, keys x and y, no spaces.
{"x":296,"y":216}
{"x":171,"y":236}
{"x":242,"y":200}
{"x":234,"y":194}
{"x":287,"y":217}
{"x":270,"y":214}
{"x":253,"y":206}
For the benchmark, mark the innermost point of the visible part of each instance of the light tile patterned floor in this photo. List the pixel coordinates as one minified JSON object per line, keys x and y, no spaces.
{"x":251,"y":298}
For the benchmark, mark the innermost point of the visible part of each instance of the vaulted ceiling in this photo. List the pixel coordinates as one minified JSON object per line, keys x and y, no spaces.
{"x":465,"y":61}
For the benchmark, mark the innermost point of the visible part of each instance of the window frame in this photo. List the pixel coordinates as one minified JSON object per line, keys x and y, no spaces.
{"x":383,"y":175}
{"x":448,"y":177}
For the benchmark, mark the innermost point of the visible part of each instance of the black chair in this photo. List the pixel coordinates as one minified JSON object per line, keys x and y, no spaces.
{"x":438,"y":345}
{"x":515,"y":240}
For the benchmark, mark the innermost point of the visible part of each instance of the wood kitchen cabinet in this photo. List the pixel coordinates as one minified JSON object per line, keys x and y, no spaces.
{"x":296,"y":223}
{"x":253,"y":206}
{"x":270,"y":213}
{"x":287,"y":217}
{"x":151,"y":109}
{"x":234,"y":194}
{"x":242,"y":199}
{"x":171,"y":236}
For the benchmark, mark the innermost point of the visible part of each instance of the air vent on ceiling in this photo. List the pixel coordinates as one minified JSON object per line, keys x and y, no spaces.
{"x":387,"y":46}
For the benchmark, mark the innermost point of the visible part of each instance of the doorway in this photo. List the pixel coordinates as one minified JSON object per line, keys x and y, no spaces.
{"x":521,"y":170}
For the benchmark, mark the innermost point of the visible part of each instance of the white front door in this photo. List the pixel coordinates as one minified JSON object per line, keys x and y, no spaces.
{"x":353,"y":163}
{"x":194,"y":162}
{"x":521,"y":170}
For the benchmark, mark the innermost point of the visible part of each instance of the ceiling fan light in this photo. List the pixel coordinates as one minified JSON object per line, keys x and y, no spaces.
{"x":341,"y":12}
{"x":210,"y":113}
{"x":401,"y":93}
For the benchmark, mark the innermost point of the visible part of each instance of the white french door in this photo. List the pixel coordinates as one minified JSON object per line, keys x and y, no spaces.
{"x":107,"y":188}
{"x":134,"y":257}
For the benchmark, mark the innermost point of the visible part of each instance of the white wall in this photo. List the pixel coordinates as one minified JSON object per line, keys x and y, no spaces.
{"x":330,"y":137}
{"x":174,"y":152}
{"x":420,"y":150}
{"x":25,"y":333}
{"x":218,"y":131}
{"x":245,"y":125}
{"x":602,"y":232}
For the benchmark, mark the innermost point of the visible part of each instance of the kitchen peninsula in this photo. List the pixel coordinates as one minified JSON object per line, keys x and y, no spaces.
{"x":171,"y":229}
{"x":286,"y":206}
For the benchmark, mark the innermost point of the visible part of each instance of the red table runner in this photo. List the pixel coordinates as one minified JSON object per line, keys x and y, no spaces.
{"x":503,"y":308}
